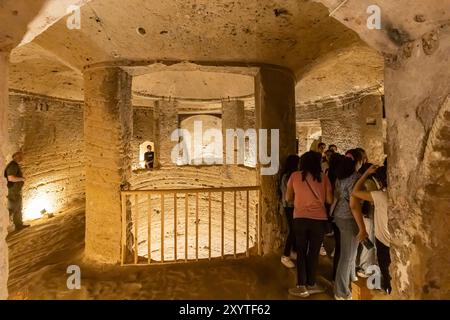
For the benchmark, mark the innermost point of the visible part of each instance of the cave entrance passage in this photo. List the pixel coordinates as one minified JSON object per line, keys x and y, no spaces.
{"x":184,"y":225}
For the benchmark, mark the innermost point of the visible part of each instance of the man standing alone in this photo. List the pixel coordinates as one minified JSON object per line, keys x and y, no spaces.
{"x":14,"y":177}
{"x":149,"y":157}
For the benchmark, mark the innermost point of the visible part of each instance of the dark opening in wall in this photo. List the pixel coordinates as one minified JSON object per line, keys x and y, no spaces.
{"x":371,"y":121}
{"x":141,"y":31}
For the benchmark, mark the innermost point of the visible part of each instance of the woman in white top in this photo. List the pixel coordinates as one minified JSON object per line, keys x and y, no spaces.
{"x":382,"y":236}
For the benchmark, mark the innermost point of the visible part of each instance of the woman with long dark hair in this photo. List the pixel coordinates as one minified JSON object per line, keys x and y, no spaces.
{"x":310,"y":189}
{"x":291,"y":166}
{"x":349,"y":220}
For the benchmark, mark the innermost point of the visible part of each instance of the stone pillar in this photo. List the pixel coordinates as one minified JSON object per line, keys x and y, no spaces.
{"x":4,"y":220}
{"x":275,"y":109}
{"x":167,"y":121}
{"x":418,"y":116}
{"x":371,"y":117}
{"x":108,"y":120}
{"x":232,"y":118}
{"x":233,"y":114}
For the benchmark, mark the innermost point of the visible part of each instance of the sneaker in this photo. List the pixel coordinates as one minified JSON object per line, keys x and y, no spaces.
{"x":330,"y":234}
{"x":293,"y":255}
{"x":299,"y":291}
{"x":342,"y":298}
{"x":287,"y":262}
{"x":323,"y":252}
{"x":354,"y":279}
{"x":315,"y":289}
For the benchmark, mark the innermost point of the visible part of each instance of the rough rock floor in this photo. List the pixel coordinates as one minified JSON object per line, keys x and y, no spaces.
{"x":40,"y":255}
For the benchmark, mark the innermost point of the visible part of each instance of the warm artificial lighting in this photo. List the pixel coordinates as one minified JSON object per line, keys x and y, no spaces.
{"x":37,"y":207}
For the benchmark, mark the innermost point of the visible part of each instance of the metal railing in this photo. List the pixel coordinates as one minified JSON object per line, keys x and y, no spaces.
{"x":146,"y":239}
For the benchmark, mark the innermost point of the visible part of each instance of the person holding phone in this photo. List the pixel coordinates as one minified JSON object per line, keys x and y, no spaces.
{"x":382,"y":235}
{"x":348,"y":218}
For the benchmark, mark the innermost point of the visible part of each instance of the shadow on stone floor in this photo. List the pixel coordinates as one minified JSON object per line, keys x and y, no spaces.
{"x":41,"y":254}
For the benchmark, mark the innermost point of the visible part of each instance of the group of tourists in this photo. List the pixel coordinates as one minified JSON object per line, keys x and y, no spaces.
{"x":340,"y":195}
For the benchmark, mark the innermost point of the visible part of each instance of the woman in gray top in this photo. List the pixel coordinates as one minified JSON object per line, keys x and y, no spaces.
{"x":291,"y":166}
{"x":349,"y":220}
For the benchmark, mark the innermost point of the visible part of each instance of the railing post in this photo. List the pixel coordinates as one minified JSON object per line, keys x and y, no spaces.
{"x":136,"y":228}
{"x":196,"y":226}
{"x":124,"y":228}
{"x":223,"y":225}
{"x":234,"y":209}
{"x":248,"y":223}
{"x":162,"y":227}
{"x":175,"y":225}
{"x":186,"y":224}
{"x":149,"y":222}
{"x":209,"y":225}
{"x":259,"y":220}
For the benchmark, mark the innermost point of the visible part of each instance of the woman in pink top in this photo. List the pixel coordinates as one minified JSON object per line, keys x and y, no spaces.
{"x":309,"y":188}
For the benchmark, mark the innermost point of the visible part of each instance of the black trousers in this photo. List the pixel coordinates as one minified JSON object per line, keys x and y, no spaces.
{"x":309,"y":236}
{"x":337,"y":248}
{"x":290,"y":240}
{"x":384,"y":261}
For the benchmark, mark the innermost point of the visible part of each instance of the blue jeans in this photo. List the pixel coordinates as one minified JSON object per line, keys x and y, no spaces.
{"x":349,"y":248}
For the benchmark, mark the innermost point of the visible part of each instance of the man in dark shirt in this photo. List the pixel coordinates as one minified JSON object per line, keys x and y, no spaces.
{"x":15,"y":181}
{"x":149,"y":157}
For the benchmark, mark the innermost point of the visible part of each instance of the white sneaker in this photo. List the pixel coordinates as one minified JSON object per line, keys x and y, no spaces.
{"x":341,"y":298}
{"x":329,"y":234}
{"x":287,"y":262}
{"x":315,"y":289}
{"x":354,"y":279}
{"x":323,"y":252}
{"x":299,"y":291}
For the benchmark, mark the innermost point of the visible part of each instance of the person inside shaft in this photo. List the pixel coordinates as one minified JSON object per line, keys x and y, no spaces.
{"x":149,"y":157}
{"x":15,"y":182}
